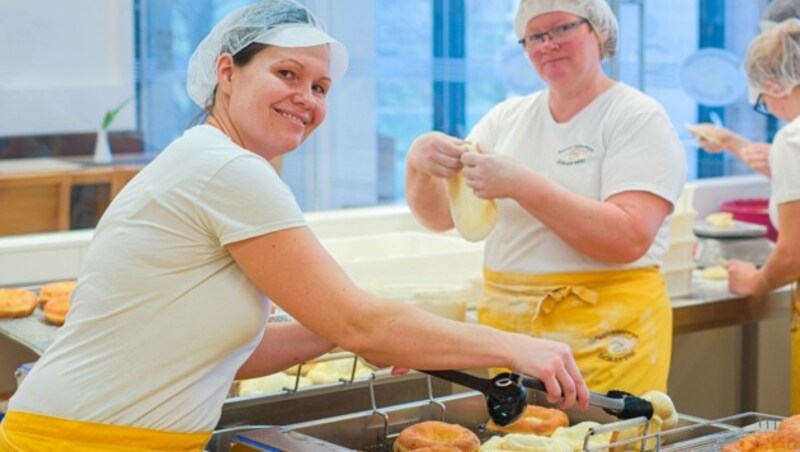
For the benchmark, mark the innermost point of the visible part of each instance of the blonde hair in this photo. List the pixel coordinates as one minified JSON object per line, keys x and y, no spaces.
{"x":773,"y":59}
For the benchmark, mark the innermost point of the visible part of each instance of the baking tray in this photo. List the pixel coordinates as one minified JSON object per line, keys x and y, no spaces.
{"x":31,"y":331}
{"x":740,"y":229}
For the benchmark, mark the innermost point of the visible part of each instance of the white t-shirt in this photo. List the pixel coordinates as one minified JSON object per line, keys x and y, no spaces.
{"x":622,"y":141}
{"x":784,"y":163}
{"x":162,"y":317}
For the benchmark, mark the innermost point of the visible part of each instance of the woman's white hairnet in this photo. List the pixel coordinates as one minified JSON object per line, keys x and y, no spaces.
{"x":773,"y":61}
{"x":282,"y":23}
{"x":780,"y":10}
{"x":597,"y":12}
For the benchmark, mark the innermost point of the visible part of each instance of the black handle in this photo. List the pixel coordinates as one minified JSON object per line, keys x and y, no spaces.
{"x":463,"y":379}
{"x":616,"y":403}
{"x":506,"y":399}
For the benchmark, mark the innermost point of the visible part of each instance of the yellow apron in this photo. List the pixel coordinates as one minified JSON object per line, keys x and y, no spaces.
{"x":618,"y":323}
{"x":29,"y":432}
{"x":795,"y":349}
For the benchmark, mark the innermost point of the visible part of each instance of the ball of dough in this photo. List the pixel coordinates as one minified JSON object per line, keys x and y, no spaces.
{"x":336,"y":370}
{"x":618,"y":436}
{"x":715,"y":273}
{"x":271,"y":383}
{"x":720,"y":220}
{"x":663,"y":408}
{"x":576,"y":434}
{"x":526,"y":442}
{"x":473,"y":217}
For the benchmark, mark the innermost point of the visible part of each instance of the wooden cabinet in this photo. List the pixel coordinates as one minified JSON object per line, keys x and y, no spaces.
{"x":58,"y":198}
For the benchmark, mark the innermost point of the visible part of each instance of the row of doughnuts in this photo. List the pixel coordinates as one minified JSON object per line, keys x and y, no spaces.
{"x":539,"y":428}
{"x":53,"y":297}
{"x":435,"y":435}
{"x":786,"y":438}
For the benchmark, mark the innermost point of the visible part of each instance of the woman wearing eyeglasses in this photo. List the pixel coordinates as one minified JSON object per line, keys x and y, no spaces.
{"x":715,"y":138}
{"x":584,"y":174}
{"x":773,"y":72}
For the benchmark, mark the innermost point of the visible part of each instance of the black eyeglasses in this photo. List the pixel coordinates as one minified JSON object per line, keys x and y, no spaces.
{"x":557,"y":34}
{"x":760,"y":106}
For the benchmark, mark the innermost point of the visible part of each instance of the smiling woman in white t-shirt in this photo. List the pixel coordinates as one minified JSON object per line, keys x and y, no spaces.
{"x":584,"y":174}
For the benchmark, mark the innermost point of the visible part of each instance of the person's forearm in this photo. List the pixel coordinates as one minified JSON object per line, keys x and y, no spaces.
{"x":782,"y":267}
{"x":427,"y":198}
{"x":736,"y":143}
{"x":390,"y":332}
{"x":601,"y":230}
{"x":284,"y":345}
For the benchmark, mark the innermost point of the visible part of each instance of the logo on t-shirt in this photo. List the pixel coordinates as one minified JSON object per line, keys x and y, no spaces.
{"x":574,"y":155}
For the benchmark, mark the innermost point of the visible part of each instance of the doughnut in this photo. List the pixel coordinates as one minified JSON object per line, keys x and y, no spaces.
{"x":577,"y":433}
{"x":473,"y":217}
{"x":765,"y":441}
{"x":663,"y":408}
{"x":790,"y":424}
{"x":537,"y":420}
{"x":16,"y":303}
{"x":434,"y":434}
{"x":520,"y":442}
{"x":55,"y":310}
{"x":629,"y":433}
{"x":56,"y":289}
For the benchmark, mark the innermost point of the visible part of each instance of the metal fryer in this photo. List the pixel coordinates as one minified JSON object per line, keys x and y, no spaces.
{"x":376,"y":429}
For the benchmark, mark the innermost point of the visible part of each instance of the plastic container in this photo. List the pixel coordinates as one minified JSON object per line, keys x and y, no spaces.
{"x":446,"y":300}
{"x":678,"y":280}
{"x":754,"y":210}
{"x":680,"y":226}
{"x":680,"y":254}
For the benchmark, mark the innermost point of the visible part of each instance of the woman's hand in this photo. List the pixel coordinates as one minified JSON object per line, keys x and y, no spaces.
{"x":756,"y":156}
{"x":717,"y":139}
{"x":745,"y":279}
{"x":492,"y":175}
{"x":437,"y":154}
{"x":553,"y":363}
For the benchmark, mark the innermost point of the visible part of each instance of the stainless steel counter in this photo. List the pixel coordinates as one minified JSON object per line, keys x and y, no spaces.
{"x":710,"y":305}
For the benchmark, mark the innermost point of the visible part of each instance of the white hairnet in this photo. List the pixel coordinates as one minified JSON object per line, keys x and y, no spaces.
{"x":597,"y":12}
{"x":779,"y":10}
{"x":282,"y":23}
{"x":773,"y":60}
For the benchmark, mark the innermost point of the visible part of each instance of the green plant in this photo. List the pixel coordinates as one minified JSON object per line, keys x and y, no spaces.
{"x":111,"y":114}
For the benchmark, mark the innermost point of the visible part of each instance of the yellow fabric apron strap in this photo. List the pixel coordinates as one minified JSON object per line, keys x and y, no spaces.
{"x":21,"y":431}
{"x":618,"y":323}
{"x":795,"y":349}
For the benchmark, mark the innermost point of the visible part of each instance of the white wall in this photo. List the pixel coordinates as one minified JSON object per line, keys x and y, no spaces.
{"x":64,"y":64}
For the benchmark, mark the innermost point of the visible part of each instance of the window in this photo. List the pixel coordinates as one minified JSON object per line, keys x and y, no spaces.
{"x":415,"y":65}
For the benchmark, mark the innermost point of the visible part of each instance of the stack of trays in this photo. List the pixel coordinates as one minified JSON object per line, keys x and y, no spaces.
{"x":679,"y":260}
